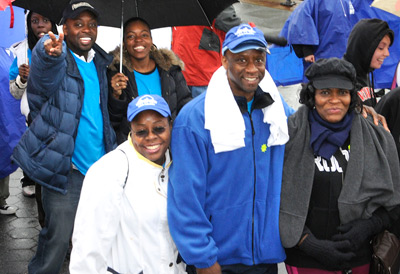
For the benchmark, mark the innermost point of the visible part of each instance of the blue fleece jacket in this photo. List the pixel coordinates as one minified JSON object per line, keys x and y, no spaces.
{"x":224,"y":207}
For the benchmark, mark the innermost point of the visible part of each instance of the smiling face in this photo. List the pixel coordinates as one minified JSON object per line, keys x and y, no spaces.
{"x":40,"y":25}
{"x":81,"y":33}
{"x":151,"y":135}
{"x":245,"y":70}
{"x":332,"y":104}
{"x":138,"y":40}
{"x":381,"y":52}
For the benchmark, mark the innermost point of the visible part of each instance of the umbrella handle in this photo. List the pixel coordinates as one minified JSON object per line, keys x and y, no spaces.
{"x":121,"y":36}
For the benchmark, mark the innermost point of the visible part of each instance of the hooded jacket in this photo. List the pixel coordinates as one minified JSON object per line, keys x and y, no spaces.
{"x":55,"y":94}
{"x":174,"y":88}
{"x":361,"y":45}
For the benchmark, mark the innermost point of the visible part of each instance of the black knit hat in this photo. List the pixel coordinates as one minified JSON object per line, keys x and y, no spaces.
{"x":331,"y":73}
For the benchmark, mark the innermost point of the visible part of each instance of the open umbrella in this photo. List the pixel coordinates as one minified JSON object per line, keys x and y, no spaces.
{"x":158,"y":13}
{"x":392,"y":6}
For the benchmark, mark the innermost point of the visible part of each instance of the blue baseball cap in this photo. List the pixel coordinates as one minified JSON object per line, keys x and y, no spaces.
{"x":148,"y":102}
{"x":244,"y":37}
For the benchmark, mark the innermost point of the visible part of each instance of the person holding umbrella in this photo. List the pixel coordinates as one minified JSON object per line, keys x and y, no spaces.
{"x":67,"y":90}
{"x":145,"y":70}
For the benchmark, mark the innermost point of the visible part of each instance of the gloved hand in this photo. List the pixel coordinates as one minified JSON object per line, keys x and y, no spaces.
{"x":359,"y":231}
{"x":333,"y":254}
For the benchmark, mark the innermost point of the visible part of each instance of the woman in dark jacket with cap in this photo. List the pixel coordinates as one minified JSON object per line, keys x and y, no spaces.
{"x":334,"y":199}
{"x":367,"y":47}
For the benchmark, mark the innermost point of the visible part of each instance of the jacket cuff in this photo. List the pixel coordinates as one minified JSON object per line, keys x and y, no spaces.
{"x":208,"y":264}
{"x":19,"y":83}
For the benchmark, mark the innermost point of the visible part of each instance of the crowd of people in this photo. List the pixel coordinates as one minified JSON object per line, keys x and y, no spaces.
{"x":137,"y":176}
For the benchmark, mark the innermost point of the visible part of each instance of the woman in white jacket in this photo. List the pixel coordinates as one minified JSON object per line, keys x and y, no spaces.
{"x":121,"y":223}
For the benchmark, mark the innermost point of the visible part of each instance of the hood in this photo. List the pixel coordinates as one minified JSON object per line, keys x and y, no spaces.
{"x":363,"y":40}
{"x":164,"y":59}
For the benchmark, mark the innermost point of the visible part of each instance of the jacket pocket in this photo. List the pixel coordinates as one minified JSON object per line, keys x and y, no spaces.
{"x":43,"y":145}
{"x":232,"y":232}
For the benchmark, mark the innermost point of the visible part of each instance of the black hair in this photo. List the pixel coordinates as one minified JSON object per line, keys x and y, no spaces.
{"x":135,"y":19}
{"x":32,"y":39}
{"x":307,"y":97}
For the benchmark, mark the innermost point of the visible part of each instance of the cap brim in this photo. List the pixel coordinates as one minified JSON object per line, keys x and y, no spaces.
{"x":247,"y":46}
{"x":333,"y":81}
{"x":163,"y":113}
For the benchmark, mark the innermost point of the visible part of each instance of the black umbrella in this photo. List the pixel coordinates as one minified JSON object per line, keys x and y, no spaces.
{"x":158,"y":13}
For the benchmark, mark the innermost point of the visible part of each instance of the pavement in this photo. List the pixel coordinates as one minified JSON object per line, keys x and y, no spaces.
{"x":19,"y":232}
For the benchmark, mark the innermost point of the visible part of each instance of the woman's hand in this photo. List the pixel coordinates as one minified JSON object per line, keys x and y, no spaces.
{"x":214,"y":269}
{"x":119,"y":82}
{"x":53,"y":46}
{"x":377,"y":117}
{"x":23,"y":72}
{"x":359,"y":231}
{"x":310,"y":58}
{"x":334,"y":254}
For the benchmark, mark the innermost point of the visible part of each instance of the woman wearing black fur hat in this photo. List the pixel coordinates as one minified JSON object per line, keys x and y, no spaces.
{"x":335,"y":194}
{"x":146,"y":70}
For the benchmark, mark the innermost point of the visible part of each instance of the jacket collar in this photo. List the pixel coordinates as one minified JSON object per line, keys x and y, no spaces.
{"x":261,"y":100}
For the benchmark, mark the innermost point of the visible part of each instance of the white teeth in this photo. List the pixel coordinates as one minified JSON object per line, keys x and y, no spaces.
{"x":86,"y":39}
{"x":250,"y":79}
{"x":152,"y":147}
{"x":139,"y":48}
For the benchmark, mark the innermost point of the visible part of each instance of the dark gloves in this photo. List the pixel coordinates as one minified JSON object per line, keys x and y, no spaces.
{"x":333,"y":254}
{"x":360,"y":231}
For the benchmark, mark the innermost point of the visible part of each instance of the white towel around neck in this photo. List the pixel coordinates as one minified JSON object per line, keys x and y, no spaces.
{"x":225,"y":121}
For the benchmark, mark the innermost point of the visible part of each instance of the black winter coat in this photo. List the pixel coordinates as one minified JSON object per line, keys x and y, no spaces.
{"x":173,"y":85}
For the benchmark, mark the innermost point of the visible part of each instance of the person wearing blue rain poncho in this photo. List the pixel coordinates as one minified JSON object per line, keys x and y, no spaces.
{"x":320,"y":29}
{"x":12,"y":125}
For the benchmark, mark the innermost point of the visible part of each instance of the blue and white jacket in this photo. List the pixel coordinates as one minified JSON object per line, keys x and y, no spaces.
{"x":224,"y":207}
{"x":55,"y":94}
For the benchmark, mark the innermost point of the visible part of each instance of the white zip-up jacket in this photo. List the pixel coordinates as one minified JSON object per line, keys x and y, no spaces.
{"x":124,"y":228}
{"x":17,"y":88}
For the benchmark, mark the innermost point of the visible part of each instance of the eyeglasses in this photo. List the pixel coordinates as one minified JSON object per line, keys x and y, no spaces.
{"x":144,"y":132}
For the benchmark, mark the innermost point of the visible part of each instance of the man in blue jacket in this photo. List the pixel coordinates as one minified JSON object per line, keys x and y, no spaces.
{"x":228,"y":148}
{"x":67,"y":93}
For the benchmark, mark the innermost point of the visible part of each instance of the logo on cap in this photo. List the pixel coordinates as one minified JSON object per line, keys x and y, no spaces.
{"x":81,"y":4}
{"x":245,"y":30}
{"x":146,"y":100}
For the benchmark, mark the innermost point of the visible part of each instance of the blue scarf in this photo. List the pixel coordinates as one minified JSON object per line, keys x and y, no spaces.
{"x":327,"y":137}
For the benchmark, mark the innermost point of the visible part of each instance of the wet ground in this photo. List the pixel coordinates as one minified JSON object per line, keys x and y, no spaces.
{"x":18,"y":237}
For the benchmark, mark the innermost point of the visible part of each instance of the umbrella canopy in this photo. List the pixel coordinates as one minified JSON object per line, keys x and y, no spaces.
{"x":158,"y":13}
{"x":392,"y":6}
